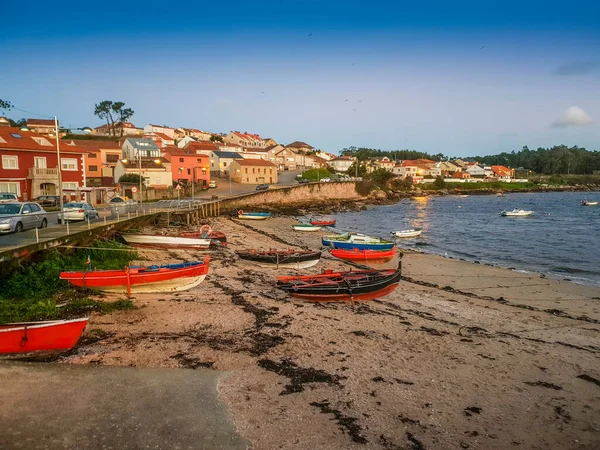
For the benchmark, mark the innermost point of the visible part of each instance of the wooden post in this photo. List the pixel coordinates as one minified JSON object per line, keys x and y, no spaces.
{"x":188,"y":218}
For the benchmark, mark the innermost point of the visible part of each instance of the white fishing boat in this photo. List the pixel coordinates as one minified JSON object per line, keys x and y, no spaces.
{"x":305,"y":227}
{"x":588,"y":203}
{"x":412,"y":232}
{"x":516,"y":213}
{"x":156,"y":240}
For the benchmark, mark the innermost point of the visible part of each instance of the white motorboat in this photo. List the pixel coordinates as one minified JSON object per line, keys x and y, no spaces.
{"x":412,"y":232}
{"x":516,"y":213}
{"x":588,"y":203}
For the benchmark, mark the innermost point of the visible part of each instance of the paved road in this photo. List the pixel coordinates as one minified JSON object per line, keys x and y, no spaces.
{"x":59,"y":406}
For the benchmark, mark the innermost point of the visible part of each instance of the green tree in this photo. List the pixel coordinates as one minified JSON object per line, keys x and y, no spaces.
{"x":216,"y":138}
{"x":439,"y":182}
{"x":129,"y":178}
{"x":381,"y":177}
{"x":362,"y":169}
{"x":5,"y":104}
{"x":18,"y":123}
{"x":113,"y":112}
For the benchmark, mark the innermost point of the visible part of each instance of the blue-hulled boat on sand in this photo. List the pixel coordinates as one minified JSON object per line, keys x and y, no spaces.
{"x":357,"y":241}
{"x":252,"y":216}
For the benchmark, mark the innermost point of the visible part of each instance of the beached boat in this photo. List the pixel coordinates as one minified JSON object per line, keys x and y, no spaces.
{"x":296,"y":259}
{"x":326,"y":240}
{"x":139,"y":280}
{"x":363,"y":255}
{"x":252,"y":216}
{"x":158,"y":240}
{"x":358,"y":242}
{"x":305,"y":227}
{"x":412,"y":232}
{"x":588,"y":203}
{"x":516,"y":213}
{"x":32,"y":338}
{"x":206,"y":232}
{"x":323,"y":223}
{"x":342,"y":286}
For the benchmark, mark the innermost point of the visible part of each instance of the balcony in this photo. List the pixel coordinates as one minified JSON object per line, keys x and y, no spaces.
{"x":43,"y":175}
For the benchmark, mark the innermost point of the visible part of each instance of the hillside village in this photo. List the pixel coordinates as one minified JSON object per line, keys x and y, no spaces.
{"x":109,"y":159}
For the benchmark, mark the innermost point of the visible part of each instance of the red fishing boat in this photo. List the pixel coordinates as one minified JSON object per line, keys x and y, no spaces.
{"x":206,"y":232}
{"x":135,"y":279}
{"x":342,"y":286}
{"x":322,"y":223}
{"x":33,"y":338}
{"x":363,"y":255}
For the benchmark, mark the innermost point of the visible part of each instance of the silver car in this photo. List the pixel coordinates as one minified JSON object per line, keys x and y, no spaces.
{"x":8,"y":197}
{"x":120,"y":207}
{"x":19,"y":216}
{"x":77,"y":211}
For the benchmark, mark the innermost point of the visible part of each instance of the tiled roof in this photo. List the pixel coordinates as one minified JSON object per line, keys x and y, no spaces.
{"x":254,"y":162}
{"x":234,"y":155}
{"x":163,"y":136}
{"x":142,"y":143}
{"x":12,"y":138}
{"x":147,"y":163}
{"x":502,"y":171}
{"x":95,"y":144}
{"x":299,"y":144}
{"x":201,"y":145}
{"x":176,"y":151}
{"x":43,"y":122}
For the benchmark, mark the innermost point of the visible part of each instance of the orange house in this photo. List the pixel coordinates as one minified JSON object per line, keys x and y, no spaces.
{"x":188,"y":166}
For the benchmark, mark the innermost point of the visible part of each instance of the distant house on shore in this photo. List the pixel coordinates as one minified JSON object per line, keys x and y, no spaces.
{"x":503,"y":173}
{"x":253,"y":171}
{"x":299,"y":146}
{"x":170,"y":132}
{"x":342,"y":163}
{"x":245,"y":139}
{"x":41,"y":126}
{"x":156,"y":171}
{"x":220,"y":162}
{"x":475,"y":170}
{"x":120,"y":128}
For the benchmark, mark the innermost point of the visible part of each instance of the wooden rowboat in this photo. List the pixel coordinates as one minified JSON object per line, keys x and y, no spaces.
{"x":305,"y":227}
{"x":252,"y":216}
{"x":32,"y":338}
{"x":295,"y":259}
{"x":134,"y":279}
{"x":323,"y":223}
{"x":342,"y":286}
{"x":158,"y":240}
{"x":363,"y":255}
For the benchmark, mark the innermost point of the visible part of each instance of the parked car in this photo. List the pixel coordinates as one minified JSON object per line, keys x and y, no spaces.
{"x":325,"y":180}
{"x":48,"y":200}
{"x":6,"y":197}
{"x":303,"y":180}
{"x":19,"y":216}
{"x":262,"y":187}
{"x":77,"y":211}
{"x":212,"y":184}
{"x":120,"y":206}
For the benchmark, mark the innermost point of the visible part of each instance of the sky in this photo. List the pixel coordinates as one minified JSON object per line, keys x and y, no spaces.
{"x":461,"y":78}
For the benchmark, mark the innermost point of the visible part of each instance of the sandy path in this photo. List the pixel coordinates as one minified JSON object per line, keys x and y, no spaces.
{"x":428,"y":366}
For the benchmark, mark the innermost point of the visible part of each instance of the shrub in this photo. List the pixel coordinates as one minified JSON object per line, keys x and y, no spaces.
{"x":129,"y":178}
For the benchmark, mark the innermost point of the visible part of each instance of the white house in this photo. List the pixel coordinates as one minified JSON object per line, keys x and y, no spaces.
{"x":476,"y":171}
{"x":156,"y":172}
{"x":135,"y":147}
{"x":220,"y":161}
{"x":160,"y":129}
{"x":341,"y":164}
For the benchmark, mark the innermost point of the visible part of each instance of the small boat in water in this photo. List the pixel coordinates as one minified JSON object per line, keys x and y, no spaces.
{"x":588,"y":203}
{"x":140,"y":280}
{"x":252,"y":216}
{"x":158,"y":240}
{"x":323,"y":223}
{"x":363,"y":255}
{"x":296,"y":259}
{"x":516,"y":213}
{"x":306,"y":227}
{"x":38,"y":338}
{"x":342,"y":286}
{"x":412,"y":232}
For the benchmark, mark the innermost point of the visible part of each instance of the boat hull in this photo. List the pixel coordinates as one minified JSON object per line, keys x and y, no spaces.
{"x":306,"y":228}
{"x":290,"y":259}
{"x":40,"y":337}
{"x":323,"y":223}
{"x":175,"y":285}
{"x":146,"y":240}
{"x":408,"y":233}
{"x":589,"y":204}
{"x":293,"y":265}
{"x":361,"y":246}
{"x":363,"y":255}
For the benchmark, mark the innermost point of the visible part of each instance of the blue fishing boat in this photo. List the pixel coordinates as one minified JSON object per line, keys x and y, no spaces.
{"x":252,"y":216}
{"x":358,"y":242}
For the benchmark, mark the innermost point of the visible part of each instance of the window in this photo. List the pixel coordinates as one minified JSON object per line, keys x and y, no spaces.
{"x":69,"y":164}
{"x":35,"y":208}
{"x":258,"y":170}
{"x":26,"y":209}
{"x":10,"y":187}
{"x":70,"y":185}
{"x":224,"y":164}
{"x":180,"y":159}
{"x":39,"y":162}
{"x":92,"y":168}
{"x":253,"y":170}
{"x":16,"y":135}
{"x":112,"y":158}
{"x":91,"y":155}
{"x":246,"y":170}
{"x":10,"y":162}
{"x":189,"y":172}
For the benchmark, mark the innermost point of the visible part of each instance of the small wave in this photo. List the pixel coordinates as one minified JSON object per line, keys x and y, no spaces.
{"x":564,"y":269}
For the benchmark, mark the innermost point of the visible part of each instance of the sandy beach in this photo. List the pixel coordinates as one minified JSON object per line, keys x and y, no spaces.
{"x":461,"y":355}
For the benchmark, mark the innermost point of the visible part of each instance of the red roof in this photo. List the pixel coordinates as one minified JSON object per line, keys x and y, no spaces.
{"x":95,"y":144}
{"x":12,"y":138}
{"x":163,"y":136}
{"x":44,"y":122}
{"x":176,"y":151}
{"x":408,"y":163}
{"x":502,"y":171}
{"x":254,"y":162}
{"x":201,"y":145}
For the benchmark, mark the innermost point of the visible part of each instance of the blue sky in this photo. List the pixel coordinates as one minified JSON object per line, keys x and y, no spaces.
{"x":461,"y":78}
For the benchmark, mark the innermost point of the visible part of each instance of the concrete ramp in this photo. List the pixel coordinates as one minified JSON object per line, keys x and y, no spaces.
{"x":58,"y":406}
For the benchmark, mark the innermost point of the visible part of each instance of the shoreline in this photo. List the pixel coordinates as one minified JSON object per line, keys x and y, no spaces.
{"x":461,"y":355}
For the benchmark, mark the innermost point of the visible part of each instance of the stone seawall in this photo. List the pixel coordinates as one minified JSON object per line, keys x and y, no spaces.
{"x":296,"y":195}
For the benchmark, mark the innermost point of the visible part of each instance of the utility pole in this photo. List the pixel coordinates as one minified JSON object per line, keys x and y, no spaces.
{"x":141,"y":196}
{"x":59,"y":166}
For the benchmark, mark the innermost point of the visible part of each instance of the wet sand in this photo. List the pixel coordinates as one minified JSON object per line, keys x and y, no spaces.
{"x":461,"y":355}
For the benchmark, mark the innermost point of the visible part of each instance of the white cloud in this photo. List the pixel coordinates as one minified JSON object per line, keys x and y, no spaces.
{"x":573,"y":117}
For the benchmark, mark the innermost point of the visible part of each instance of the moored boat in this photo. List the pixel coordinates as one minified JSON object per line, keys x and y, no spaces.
{"x":412,"y":232}
{"x":296,"y":259}
{"x":139,"y":280}
{"x":158,"y":240}
{"x":33,"y":338}
{"x":363,"y":255}
{"x":206,"y":232}
{"x":516,"y":213}
{"x":588,"y":203}
{"x":323,"y":223}
{"x":306,"y":227}
{"x":342,"y":286}
{"x":252,"y":216}
{"x":358,"y":242}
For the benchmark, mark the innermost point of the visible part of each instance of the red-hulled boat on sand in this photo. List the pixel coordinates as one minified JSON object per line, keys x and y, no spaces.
{"x":342,"y":286}
{"x":363,"y":255}
{"x":322,"y":223}
{"x":139,"y":280}
{"x":32,"y":338}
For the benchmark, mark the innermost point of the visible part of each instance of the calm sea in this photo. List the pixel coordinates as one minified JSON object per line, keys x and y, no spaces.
{"x":561,"y":239}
